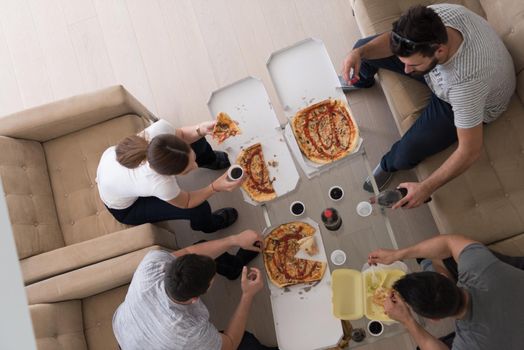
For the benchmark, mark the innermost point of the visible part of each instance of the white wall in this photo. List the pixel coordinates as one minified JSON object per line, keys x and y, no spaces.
{"x":16,"y":331}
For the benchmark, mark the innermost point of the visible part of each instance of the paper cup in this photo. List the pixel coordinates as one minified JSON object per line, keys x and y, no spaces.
{"x":375,"y":328}
{"x":235,"y":172}
{"x":336,"y":193}
{"x":338,"y":257}
{"x":364,"y":209}
{"x":293,"y":208}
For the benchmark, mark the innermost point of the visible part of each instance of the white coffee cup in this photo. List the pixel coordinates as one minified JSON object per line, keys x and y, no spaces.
{"x":234,"y":171}
{"x":335,"y":188}
{"x":297,"y":203}
{"x":364,"y":209}
{"x":373,"y":332}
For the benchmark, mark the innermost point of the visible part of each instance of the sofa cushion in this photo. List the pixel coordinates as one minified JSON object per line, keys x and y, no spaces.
{"x":58,"y":326}
{"x":72,"y":161}
{"x":487,"y":201}
{"x":98,"y":313}
{"x":29,"y":198}
{"x":507,"y":17}
{"x":513,"y":246}
{"x":377,"y":16}
{"x":89,"y":252}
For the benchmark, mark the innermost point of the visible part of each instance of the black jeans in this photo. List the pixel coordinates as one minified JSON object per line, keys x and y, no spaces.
{"x":433,"y":131}
{"x":250,"y":342}
{"x":152,"y":209}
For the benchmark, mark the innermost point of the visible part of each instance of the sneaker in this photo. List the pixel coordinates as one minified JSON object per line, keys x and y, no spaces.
{"x":229,"y":216}
{"x":382,"y":178}
{"x":221,"y":162}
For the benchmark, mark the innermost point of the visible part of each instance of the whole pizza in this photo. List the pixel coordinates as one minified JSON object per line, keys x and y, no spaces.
{"x":257,"y":183}
{"x":280,"y":247}
{"x":224,"y":128}
{"x":325,"y":131}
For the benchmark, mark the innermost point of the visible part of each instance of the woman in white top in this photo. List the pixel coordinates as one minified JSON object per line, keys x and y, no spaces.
{"x":137,"y":178}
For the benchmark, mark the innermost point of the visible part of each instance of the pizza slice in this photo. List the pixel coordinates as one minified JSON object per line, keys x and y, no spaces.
{"x":309,"y":245}
{"x":257,"y":183}
{"x":280,"y":247}
{"x":225,"y":127}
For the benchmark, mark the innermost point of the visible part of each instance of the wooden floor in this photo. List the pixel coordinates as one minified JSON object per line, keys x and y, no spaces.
{"x":171,"y":54}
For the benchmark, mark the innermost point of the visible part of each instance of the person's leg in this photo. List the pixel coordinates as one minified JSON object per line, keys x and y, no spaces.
{"x":207,"y":158}
{"x":433,"y":132}
{"x":153,"y":209}
{"x":369,"y":68}
{"x":250,"y":342}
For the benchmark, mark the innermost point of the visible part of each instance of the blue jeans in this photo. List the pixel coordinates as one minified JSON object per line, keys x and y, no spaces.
{"x":433,"y":131}
{"x":152,"y":209}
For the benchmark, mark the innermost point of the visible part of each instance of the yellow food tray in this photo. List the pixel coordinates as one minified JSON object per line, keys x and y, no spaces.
{"x":353,"y":293}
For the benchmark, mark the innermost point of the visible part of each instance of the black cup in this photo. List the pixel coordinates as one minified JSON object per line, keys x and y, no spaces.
{"x":235,"y":172}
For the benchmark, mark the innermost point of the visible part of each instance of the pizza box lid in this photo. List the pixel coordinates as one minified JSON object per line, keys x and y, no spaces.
{"x":303,"y":74}
{"x":351,"y":296}
{"x":296,"y":307}
{"x":247,"y":102}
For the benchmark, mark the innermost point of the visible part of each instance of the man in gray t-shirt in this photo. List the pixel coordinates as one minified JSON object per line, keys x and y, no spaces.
{"x":470,"y":73}
{"x":486,"y":303}
{"x":163,"y":311}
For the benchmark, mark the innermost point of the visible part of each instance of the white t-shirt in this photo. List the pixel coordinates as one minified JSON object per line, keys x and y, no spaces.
{"x":120,"y":187}
{"x":479,"y":80}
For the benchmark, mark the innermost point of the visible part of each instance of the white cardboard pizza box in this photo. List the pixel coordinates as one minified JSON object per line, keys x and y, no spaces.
{"x":297,"y":308}
{"x":247,"y":102}
{"x":303,"y":74}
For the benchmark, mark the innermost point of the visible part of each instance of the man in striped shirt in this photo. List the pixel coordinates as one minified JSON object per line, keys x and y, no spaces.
{"x":470,"y":73}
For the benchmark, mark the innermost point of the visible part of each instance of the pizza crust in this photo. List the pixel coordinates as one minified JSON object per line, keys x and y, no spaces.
{"x":325,"y":132}
{"x":257,"y":183}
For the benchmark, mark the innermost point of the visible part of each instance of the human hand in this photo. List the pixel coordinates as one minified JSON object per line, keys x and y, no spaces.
{"x":206,"y":128}
{"x":251,"y":282}
{"x":397,"y":309}
{"x":249,"y":240}
{"x":383,"y":256}
{"x":223,"y":184}
{"x":418,"y":193}
{"x":352,"y":63}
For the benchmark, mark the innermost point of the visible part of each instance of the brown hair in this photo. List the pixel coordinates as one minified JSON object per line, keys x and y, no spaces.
{"x":167,"y":154}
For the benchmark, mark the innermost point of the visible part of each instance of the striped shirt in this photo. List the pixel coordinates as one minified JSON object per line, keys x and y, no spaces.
{"x":479,"y":80}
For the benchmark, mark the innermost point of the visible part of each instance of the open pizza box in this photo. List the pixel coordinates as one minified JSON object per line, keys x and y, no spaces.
{"x":296,"y":308}
{"x":353,"y":290}
{"x":247,"y":102}
{"x":303,"y":74}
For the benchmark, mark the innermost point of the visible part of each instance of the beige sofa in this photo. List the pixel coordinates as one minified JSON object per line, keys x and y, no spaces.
{"x":76,"y":259}
{"x":48,"y":167}
{"x":487,"y":201}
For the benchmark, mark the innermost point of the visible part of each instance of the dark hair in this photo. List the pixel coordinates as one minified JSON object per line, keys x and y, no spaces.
{"x":167,"y":154}
{"x":418,"y":30}
{"x":189,"y":276}
{"x":430,"y":294}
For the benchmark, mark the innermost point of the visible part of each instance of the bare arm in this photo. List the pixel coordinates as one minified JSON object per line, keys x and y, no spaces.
{"x":251,"y":284}
{"x":377,"y":48}
{"x":438,"y":247}
{"x":467,"y":152}
{"x":195,"y":132}
{"x":245,"y":239}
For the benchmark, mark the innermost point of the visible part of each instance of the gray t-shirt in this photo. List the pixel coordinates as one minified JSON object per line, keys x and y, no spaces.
{"x":149,"y":319}
{"x":479,"y":80}
{"x":496,"y":310}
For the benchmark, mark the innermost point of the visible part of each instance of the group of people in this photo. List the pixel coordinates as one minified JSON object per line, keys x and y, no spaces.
{"x":471,"y":75}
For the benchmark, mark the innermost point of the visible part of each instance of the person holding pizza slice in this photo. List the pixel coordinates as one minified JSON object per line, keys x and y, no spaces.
{"x":470,"y":73}
{"x":137,"y":181}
